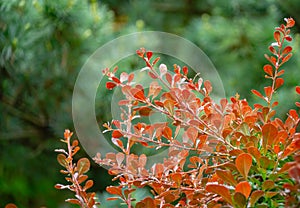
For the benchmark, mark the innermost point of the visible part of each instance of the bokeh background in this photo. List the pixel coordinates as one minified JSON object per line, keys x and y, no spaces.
{"x":44,"y":43}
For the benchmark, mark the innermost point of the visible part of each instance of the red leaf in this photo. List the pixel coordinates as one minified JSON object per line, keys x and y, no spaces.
{"x":244,"y":188}
{"x":290,"y":22}
{"x":278,"y":83}
{"x":118,"y":143}
{"x":116,"y":80}
{"x":155,"y":61}
{"x":114,"y":190}
{"x":286,"y":58}
{"x":149,"y":54}
{"x":112,"y":198}
{"x":277,"y":36}
{"x":139,"y":94}
{"x":255,"y":92}
{"x":140,"y":52}
{"x":207,"y":86}
{"x":167,"y":132}
{"x":177,"y":178}
{"x":130,"y":77}
{"x":286,"y":50}
{"x":281,"y":72}
{"x":88,"y":185}
{"x":110,"y":85}
{"x":269,"y":134}
{"x":298,"y":89}
{"x":221,"y":190}
{"x":272,"y":49}
{"x":73,"y":201}
{"x":288,"y":38}
{"x":116,"y":134}
{"x":185,"y":70}
{"x":243,"y":163}
{"x":169,"y":78}
{"x":268,"y":69}
{"x":152,"y":75}
{"x":268,"y":91}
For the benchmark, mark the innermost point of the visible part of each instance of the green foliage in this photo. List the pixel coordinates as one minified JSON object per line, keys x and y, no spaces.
{"x":43,"y":46}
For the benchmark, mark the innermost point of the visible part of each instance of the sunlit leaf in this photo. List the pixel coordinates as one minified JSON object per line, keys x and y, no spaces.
{"x":226,"y":176}
{"x":243,"y":187}
{"x":269,"y":134}
{"x":243,"y":163}
{"x":220,"y":190}
{"x":167,"y":132}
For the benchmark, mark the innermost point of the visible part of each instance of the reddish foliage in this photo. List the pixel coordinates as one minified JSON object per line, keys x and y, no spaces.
{"x":251,"y":156}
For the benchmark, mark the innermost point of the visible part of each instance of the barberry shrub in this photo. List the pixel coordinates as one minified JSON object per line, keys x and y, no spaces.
{"x":253,"y":158}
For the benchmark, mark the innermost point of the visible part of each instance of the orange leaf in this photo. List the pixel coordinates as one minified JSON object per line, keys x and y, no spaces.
{"x":278,"y":83}
{"x":167,"y":132}
{"x":269,"y":133}
{"x":244,"y":187}
{"x":268,"y":91}
{"x":286,"y":58}
{"x":114,"y":190}
{"x":226,"y":176}
{"x":286,"y":50}
{"x":88,"y":184}
{"x":255,"y":92}
{"x":116,"y":134}
{"x":268,"y":69}
{"x":221,"y":190}
{"x":243,"y":163}
{"x":139,"y":94}
{"x":277,"y":36}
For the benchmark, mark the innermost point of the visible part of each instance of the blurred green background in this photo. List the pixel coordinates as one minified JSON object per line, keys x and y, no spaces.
{"x":44,"y":43}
